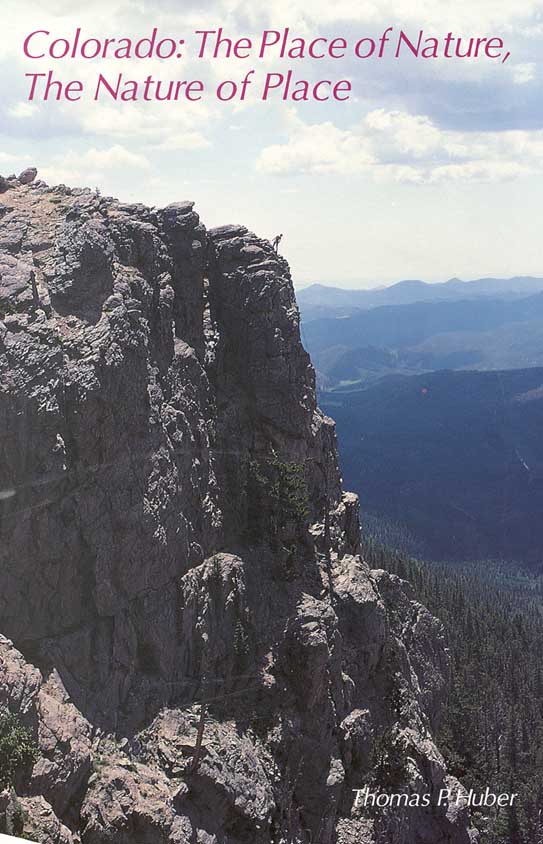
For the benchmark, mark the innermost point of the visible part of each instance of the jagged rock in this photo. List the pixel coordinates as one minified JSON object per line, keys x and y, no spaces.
{"x":227,"y":232}
{"x":178,"y":208}
{"x":64,"y":740}
{"x":79,"y":276}
{"x":28,"y":175}
{"x":40,"y":824}
{"x":16,"y":284}
{"x":19,"y":682}
{"x":13,"y":230}
{"x":128,"y":805}
{"x":234,"y":777}
{"x":177,"y":552}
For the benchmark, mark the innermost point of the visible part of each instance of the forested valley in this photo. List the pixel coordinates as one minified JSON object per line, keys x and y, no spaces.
{"x":492,"y":726}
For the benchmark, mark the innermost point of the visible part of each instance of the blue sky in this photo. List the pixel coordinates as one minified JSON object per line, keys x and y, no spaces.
{"x":433,"y":169}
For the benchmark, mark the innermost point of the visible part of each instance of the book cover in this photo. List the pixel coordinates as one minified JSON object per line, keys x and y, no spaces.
{"x":271,"y":402}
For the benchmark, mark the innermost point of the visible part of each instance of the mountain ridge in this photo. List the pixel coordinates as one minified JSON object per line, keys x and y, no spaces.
{"x":482,"y":333}
{"x":314,"y":298}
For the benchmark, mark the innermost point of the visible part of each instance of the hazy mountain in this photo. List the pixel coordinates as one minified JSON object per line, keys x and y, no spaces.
{"x":408,"y":339}
{"x":319,"y":300}
{"x":407,"y":325}
{"x":456,"y":457}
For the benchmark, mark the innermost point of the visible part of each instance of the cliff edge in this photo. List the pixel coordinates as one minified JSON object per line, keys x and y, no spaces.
{"x":189,"y":629}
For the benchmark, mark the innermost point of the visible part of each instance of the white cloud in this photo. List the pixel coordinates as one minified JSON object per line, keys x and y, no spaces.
{"x":478,"y":17}
{"x":93,"y":165}
{"x":478,"y":171}
{"x":22,"y":110}
{"x":523,"y":73}
{"x":147,"y":122}
{"x":320,"y":148}
{"x":115,"y":156}
{"x":183,"y":140}
{"x":9,"y":158}
{"x":411,"y":134}
{"x":397,"y":146}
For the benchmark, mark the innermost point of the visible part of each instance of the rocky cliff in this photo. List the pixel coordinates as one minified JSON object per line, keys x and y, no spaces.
{"x":189,"y":630}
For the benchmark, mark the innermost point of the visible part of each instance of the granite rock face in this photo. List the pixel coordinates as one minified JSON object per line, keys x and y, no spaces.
{"x":189,"y":629}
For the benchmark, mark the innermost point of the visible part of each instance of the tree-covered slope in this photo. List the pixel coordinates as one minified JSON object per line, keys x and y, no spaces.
{"x":492,"y":727}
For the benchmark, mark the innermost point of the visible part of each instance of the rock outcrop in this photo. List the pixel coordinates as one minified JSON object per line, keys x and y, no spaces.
{"x":191,"y":633}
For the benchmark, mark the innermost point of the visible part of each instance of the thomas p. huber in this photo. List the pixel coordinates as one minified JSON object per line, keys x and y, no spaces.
{"x":381,"y":800}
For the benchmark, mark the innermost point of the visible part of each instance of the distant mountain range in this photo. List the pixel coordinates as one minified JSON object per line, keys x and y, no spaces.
{"x":454,"y":457}
{"x":317,"y":300}
{"x":353,"y":345}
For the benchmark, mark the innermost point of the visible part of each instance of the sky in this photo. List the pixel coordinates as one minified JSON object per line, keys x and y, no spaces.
{"x":432,"y":170}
